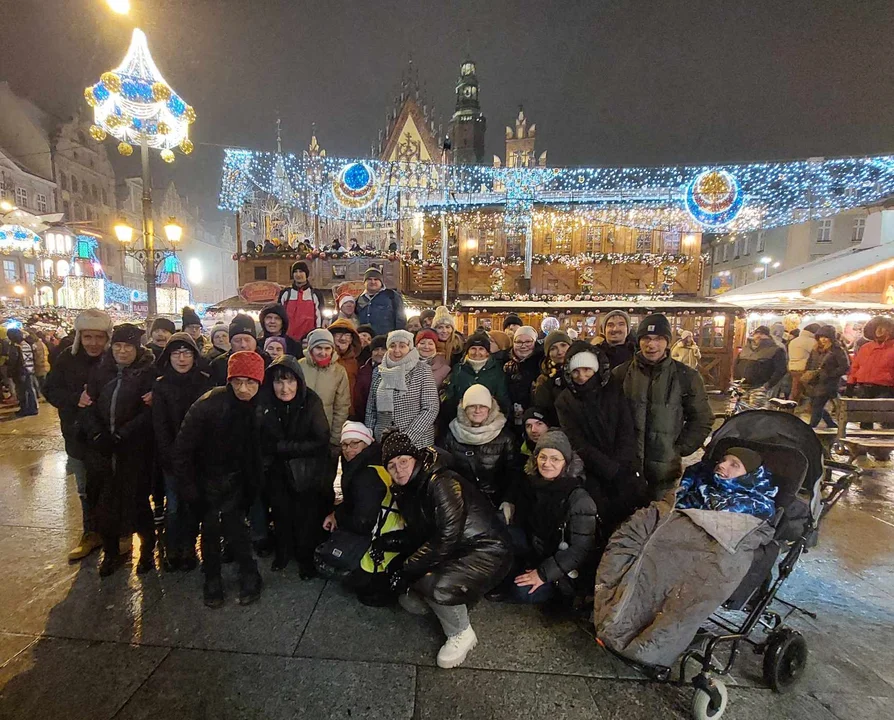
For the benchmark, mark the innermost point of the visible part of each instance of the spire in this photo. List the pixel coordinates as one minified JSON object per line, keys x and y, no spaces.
{"x":278,"y":135}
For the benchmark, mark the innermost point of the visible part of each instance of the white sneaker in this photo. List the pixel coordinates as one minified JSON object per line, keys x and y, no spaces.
{"x":453,"y":652}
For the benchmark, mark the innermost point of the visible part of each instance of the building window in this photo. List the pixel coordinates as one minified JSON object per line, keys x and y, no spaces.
{"x":824,"y":231}
{"x":30,"y":273}
{"x":63,"y":181}
{"x":41,"y":203}
{"x":132,"y":266}
{"x":9,"y":270}
{"x":859,"y":227}
{"x":644,"y":241}
{"x":21,"y":197}
{"x":760,"y":241}
{"x":260,"y":272}
{"x":745,"y":243}
{"x":486,"y":241}
{"x":594,"y":239}
{"x":94,"y":193}
{"x":66,"y":209}
{"x":513,"y":246}
{"x":725,"y":251}
{"x":672,"y":243}
{"x":105,"y":198}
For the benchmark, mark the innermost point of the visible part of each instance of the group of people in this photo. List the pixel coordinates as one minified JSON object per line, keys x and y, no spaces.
{"x":25,"y":356}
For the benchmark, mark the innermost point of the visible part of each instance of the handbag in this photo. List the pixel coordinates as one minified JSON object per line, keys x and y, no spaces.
{"x":341,"y":553}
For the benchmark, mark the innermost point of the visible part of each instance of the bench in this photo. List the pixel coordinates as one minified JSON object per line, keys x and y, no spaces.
{"x":877,"y":443}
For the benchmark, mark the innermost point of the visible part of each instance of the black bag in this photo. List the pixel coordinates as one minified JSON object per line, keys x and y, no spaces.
{"x":341,"y":554}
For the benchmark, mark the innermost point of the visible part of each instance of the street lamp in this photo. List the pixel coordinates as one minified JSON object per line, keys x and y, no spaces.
{"x":135,"y":104}
{"x":121,"y":7}
{"x":173,"y":231}
{"x":123,"y":232}
{"x":6,"y":206}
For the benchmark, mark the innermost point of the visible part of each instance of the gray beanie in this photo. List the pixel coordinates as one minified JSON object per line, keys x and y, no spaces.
{"x":555,"y":440}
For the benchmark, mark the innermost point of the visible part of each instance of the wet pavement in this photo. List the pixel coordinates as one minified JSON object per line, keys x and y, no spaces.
{"x":75,"y":646}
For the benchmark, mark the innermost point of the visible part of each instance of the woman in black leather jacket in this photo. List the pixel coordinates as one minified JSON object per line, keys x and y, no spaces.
{"x":457,"y":547}
{"x":483,"y":447}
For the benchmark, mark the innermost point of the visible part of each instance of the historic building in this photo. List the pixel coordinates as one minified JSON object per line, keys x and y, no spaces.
{"x":468,"y":124}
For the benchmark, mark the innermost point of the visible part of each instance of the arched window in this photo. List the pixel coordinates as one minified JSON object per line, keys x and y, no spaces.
{"x":74,"y":184}
{"x":105,"y":198}
{"x":63,"y":181}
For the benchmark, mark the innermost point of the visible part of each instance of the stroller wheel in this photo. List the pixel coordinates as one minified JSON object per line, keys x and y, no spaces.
{"x":703,"y":708}
{"x":785,"y":659}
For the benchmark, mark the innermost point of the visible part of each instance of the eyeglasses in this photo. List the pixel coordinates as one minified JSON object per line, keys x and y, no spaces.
{"x":351,"y":444}
{"x":401,"y":463}
{"x":183,"y":352}
{"x":526,"y":341}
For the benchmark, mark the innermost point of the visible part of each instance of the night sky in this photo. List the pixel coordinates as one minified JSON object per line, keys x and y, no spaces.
{"x":607,"y":82}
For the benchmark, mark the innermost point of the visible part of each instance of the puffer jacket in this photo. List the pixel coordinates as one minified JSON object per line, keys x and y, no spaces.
{"x":363,"y":491}
{"x":873,"y":364}
{"x":334,"y":390}
{"x":458,"y":547}
{"x":799,"y":350}
{"x":617,"y":354}
{"x":761,"y":366}
{"x":597,"y":420}
{"x":349,"y":359}
{"x":553,"y":512}
{"x":295,"y":435}
{"x":41,"y":357}
{"x":384,"y":311}
{"x":671,"y":416}
{"x":547,"y":388}
{"x":520,"y":377}
{"x":494,"y":466}
{"x":65,"y":383}
{"x":463,"y":377}
{"x":293,"y":346}
{"x":173,"y":394}
{"x":829,"y":367}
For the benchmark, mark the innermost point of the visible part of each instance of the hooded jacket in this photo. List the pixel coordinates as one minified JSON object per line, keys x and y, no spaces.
{"x":597,"y":420}
{"x":65,"y":383}
{"x":384,"y":311}
{"x":829,"y":366}
{"x":873,"y":364}
{"x":349,"y":359}
{"x":332,"y":386}
{"x":671,"y":415}
{"x":293,"y":346}
{"x":458,"y":548}
{"x":295,"y":435}
{"x":761,"y":366}
{"x":520,"y":377}
{"x":363,"y":491}
{"x":304,"y":310}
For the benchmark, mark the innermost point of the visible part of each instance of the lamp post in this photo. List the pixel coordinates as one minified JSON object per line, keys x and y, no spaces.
{"x":135,"y":104}
{"x":148,"y":257}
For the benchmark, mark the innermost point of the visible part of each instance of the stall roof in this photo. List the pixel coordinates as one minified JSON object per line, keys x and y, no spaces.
{"x":645,"y":304}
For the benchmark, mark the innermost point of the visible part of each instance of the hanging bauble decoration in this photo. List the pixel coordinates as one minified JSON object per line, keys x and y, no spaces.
{"x":162,"y":128}
{"x":125,"y":149}
{"x":190,"y":114}
{"x":355,"y":186}
{"x":713,"y":198}
{"x":160,"y":92}
{"x":111,"y":81}
{"x":97,"y":133}
{"x":186,"y":147}
{"x":90,"y":97}
{"x":167,"y":156}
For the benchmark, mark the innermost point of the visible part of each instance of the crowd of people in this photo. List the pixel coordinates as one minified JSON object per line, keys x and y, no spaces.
{"x":412,"y":463}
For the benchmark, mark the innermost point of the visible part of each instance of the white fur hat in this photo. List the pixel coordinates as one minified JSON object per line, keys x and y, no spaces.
{"x":90,"y":319}
{"x":584,"y":359}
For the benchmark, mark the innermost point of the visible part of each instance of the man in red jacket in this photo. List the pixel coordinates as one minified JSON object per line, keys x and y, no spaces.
{"x":872,"y":371}
{"x":303,"y":304}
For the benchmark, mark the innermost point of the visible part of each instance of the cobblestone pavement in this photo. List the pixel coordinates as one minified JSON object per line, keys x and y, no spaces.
{"x":75,"y":646}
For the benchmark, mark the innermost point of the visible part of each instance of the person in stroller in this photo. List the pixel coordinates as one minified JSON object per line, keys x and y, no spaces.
{"x":738,"y":483}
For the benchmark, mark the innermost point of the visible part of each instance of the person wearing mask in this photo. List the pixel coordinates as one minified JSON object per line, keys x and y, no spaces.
{"x":381,"y":307}
{"x":180,"y":383}
{"x":478,"y":367}
{"x":426,"y":318}
{"x":535,"y":424}
{"x":450,"y":343}
{"x":551,"y":381}
{"x":329,"y":381}
{"x":347,"y":306}
{"x":218,"y":470}
{"x":799,"y":349}
{"x":616,"y":339}
{"x":276,"y":346}
{"x":347,"y":347}
{"x":594,"y":414}
{"x":427,"y":345}
{"x":295,"y":437}
{"x":686,"y":351}
{"x":511,"y":323}
{"x":159,"y":332}
{"x":117,"y":423}
{"x":761,"y":364}
{"x":872,"y":372}
{"x":522,"y":368}
{"x":377,"y":350}
{"x":366,"y":334}
{"x":456,"y":547}
{"x":484,"y":448}
{"x":20,"y":367}
{"x":303,"y":304}
{"x":275,"y":323}
{"x":220,"y":342}
{"x":192,"y":325}
{"x":556,"y":529}
{"x":243,"y":338}
{"x":403,"y":396}
{"x":671,"y":414}
{"x":66,"y":390}
{"x":825,"y":367}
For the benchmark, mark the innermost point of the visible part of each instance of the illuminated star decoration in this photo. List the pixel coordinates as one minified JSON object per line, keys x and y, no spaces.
{"x":134,"y":102}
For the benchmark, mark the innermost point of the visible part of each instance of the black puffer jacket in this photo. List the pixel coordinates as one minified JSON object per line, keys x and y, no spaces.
{"x":459,"y":548}
{"x":559,"y":511}
{"x":295,"y":435}
{"x":172,"y":396}
{"x":494,"y":466}
{"x":217,"y":455}
{"x":520,"y":375}
{"x":829,"y":367}
{"x":618,"y":354}
{"x":548,"y":386}
{"x":761,"y":365}
{"x":363,"y":492}
{"x":62,"y":389}
{"x":597,"y":420}
{"x":293,"y":347}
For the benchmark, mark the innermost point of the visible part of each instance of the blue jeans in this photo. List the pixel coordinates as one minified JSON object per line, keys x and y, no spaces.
{"x":818,"y":411}
{"x":77,"y":468}
{"x":26,"y":395}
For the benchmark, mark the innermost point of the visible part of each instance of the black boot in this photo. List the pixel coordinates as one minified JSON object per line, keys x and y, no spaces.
{"x":213,"y":593}
{"x":189,"y":561}
{"x":250,"y":588}
{"x":147,"y":554}
{"x":111,"y":561}
{"x":279,"y":562}
{"x":306,"y":570}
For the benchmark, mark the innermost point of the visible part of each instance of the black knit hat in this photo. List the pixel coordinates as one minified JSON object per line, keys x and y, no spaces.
{"x":396,"y":444}
{"x":534,"y":413}
{"x":512,"y":319}
{"x":655,"y":324}
{"x":379,"y":341}
{"x":128,"y":333}
{"x":190,"y":317}
{"x":826,"y":331}
{"x":812,"y":328}
{"x":479,"y":338}
{"x":762,"y":329}
{"x":162,"y":323}
{"x":299,"y":265}
{"x":243,"y":325}
{"x":368,"y":329}
{"x":749,"y":458}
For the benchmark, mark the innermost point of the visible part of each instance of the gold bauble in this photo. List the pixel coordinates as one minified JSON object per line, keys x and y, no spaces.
{"x":125,"y":149}
{"x":90,"y":97}
{"x":713,"y":184}
{"x":186,"y":146}
{"x":111,"y":81}
{"x":167,"y":155}
{"x":97,"y":133}
{"x":114,"y":121}
{"x":160,"y":92}
{"x":163,"y":128}
{"x":190,"y":114}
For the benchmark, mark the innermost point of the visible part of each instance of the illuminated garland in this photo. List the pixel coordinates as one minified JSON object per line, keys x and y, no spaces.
{"x":594,"y":297}
{"x":651,"y":259}
{"x":321,"y":255}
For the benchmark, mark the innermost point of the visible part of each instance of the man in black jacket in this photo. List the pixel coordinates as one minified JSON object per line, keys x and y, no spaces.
{"x":66,"y":390}
{"x":275,"y":323}
{"x":243,"y":336}
{"x":762,"y":364}
{"x":616,"y":341}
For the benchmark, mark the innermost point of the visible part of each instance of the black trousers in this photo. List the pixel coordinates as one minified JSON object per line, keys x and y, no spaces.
{"x":229,"y":522}
{"x":298,"y":521}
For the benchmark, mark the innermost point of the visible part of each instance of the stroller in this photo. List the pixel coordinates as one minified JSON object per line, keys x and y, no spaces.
{"x":807,"y":490}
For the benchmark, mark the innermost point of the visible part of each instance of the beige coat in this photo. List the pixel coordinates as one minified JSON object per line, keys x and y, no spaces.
{"x":686,"y":355}
{"x":332,"y":385}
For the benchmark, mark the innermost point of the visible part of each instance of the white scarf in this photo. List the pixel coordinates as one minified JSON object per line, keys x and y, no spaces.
{"x":393,"y":379}
{"x":469,"y":434}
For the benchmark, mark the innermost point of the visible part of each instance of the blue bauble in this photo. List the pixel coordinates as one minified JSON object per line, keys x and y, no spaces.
{"x":356,"y":177}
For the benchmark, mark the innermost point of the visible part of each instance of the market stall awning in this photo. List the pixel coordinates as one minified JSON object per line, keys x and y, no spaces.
{"x":635,"y":305}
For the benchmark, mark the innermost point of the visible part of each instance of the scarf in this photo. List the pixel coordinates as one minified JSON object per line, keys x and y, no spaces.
{"x":393,"y":379}
{"x":703,"y":489}
{"x":469,"y":434}
{"x":476,"y":365}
